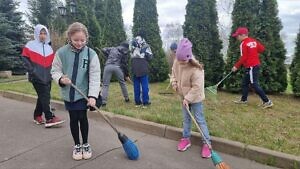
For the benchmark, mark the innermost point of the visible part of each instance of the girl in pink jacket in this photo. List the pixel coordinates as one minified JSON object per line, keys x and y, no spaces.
{"x":188,"y":81}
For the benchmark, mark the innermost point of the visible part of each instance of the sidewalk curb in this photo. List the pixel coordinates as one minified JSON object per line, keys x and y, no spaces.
{"x":255,"y":153}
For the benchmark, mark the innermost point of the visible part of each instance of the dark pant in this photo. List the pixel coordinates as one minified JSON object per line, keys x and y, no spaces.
{"x":43,"y":101}
{"x":79,"y":117}
{"x":251,"y":77}
{"x":137,"y":83}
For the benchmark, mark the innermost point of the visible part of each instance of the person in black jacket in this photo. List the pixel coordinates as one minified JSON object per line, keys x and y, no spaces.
{"x":116,"y":63}
{"x":140,"y":58}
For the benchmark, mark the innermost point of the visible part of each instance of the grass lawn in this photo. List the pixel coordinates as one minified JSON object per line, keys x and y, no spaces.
{"x":277,"y":128}
{"x":13,"y":78}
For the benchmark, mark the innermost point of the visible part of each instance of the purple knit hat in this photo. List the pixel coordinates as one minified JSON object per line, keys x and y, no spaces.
{"x":184,"y":50}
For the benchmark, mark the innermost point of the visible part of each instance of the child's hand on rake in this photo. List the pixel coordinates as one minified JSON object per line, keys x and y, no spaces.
{"x":234,"y":69}
{"x":185,"y":103}
{"x":174,"y":86}
{"x":65,"y":80}
{"x":91,"y":102}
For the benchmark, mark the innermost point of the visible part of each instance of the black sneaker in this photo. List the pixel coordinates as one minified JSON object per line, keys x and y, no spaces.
{"x":147,"y":104}
{"x":138,"y":104}
{"x":127,"y":100}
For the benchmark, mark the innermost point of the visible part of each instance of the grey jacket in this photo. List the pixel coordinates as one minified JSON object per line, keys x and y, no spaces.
{"x":114,"y":55}
{"x":117,"y":56}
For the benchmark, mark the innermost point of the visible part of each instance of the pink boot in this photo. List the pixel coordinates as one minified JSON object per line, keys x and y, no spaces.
{"x":205,"y":151}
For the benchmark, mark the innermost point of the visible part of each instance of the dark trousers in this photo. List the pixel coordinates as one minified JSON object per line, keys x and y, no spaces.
{"x":251,"y":78}
{"x":43,"y":101}
{"x":79,"y":117}
{"x":137,"y":83}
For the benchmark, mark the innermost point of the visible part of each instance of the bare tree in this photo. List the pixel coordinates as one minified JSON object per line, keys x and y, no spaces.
{"x":225,"y":8}
{"x":128,"y":31}
{"x":172,"y":32}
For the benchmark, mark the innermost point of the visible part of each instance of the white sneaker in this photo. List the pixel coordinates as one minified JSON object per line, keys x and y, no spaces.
{"x":268,"y":104}
{"x":77,"y":152}
{"x":86,"y":151}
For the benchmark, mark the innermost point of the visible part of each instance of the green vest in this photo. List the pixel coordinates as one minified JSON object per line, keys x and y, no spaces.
{"x":75,"y":66}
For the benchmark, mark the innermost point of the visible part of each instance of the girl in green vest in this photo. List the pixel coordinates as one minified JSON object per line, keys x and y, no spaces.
{"x":78,"y":64}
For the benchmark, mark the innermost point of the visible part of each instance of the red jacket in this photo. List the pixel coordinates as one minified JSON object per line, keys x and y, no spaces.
{"x":38,"y":57}
{"x":250,"y":49}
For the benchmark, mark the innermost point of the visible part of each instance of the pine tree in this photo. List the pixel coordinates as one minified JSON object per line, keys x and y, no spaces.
{"x":295,"y":68}
{"x":171,"y":33}
{"x":145,"y":19}
{"x":244,"y":14}
{"x":86,"y":15}
{"x":12,"y":36}
{"x":6,"y":45}
{"x":42,"y":12}
{"x":274,"y":73}
{"x":100,"y":9}
{"x":59,"y":23}
{"x":113,"y":26}
{"x":201,"y":28}
{"x":46,"y":12}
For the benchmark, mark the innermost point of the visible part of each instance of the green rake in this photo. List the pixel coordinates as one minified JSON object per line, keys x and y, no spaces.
{"x":214,"y":89}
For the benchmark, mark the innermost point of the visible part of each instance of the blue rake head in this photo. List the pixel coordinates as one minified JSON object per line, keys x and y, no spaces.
{"x":129,"y":147}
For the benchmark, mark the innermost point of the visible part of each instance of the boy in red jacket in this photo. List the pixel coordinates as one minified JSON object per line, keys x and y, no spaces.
{"x":250,"y":49}
{"x":38,"y":56}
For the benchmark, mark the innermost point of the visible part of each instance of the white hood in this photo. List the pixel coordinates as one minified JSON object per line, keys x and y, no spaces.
{"x":37,"y":30}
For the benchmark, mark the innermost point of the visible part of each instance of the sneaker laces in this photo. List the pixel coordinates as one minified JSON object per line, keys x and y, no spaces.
{"x":86,"y":147}
{"x":77,"y":148}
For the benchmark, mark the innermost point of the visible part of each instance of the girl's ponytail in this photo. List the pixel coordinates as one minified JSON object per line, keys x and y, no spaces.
{"x":196,"y":63}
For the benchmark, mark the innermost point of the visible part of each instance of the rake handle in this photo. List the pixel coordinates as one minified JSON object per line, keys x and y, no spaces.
{"x":197,"y":125}
{"x":169,"y":82}
{"x":223,"y":78}
{"x":96,"y":108}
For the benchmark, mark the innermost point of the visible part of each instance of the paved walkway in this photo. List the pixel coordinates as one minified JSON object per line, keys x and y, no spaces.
{"x":24,"y":145}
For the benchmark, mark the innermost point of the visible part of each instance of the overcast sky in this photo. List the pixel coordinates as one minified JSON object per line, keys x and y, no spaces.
{"x":172,"y":11}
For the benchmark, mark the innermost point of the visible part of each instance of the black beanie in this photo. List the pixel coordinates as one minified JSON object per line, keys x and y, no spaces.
{"x":125,"y":44}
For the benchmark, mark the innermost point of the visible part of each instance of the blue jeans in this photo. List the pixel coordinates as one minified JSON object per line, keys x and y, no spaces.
{"x":197,"y":109}
{"x":137,"y":83}
{"x":251,"y":77}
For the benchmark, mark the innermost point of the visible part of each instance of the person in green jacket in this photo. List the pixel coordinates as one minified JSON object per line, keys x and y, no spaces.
{"x":78,"y":64}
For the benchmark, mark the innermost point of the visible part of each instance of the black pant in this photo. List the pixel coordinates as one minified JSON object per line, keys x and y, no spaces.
{"x":251,"y":77}
{"x":79,"y":117}
{"x":43,"y":101}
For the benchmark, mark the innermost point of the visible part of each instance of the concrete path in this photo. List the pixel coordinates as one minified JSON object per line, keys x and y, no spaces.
{"x":24,"y":145}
